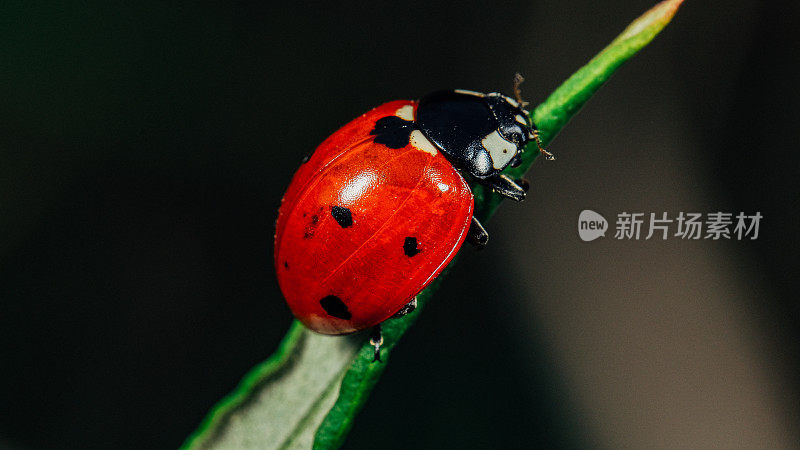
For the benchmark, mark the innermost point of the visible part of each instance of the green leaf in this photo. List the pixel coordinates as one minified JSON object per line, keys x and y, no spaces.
{"x":280,"y":402}
{"x":312,"y":388}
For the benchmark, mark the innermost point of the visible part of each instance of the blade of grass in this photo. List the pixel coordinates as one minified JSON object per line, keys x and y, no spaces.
{"x":336,"y":375}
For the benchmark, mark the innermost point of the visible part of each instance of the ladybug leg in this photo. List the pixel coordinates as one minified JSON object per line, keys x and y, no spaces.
{"x":505,"y":186}
{"x":376,"y":339}
{"x":477,"y":235}
{"x":547,"y":155}
{"x":523,"y":183}
{"x":408,"y":308}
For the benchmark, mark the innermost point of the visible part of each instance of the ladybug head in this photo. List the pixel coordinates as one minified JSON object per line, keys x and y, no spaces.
{"x":481,"y":134}
{"x":513,"y":122}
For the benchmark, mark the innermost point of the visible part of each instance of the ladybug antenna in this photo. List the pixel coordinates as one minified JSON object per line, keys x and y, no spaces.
{"x":518,"y":79}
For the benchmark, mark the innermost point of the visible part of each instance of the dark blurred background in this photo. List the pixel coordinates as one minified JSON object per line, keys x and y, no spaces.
{"x":144,"y":148}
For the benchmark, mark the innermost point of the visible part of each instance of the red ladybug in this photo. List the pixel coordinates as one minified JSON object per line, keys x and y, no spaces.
{"x":382,"y":206}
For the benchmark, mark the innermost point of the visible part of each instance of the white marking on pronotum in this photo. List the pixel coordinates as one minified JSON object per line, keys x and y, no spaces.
{"x":464,"y":91}
{"x":512,"y":101}
{"x":500,"y":150}
{"x":420,"y":142}
{"x":521,"y":120}
{"x":405,"y":112}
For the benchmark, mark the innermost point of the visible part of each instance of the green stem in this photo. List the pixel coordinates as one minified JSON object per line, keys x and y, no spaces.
{"x":362,"y":374}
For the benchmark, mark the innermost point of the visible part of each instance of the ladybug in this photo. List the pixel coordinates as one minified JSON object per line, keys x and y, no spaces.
{"x":383,"y":205}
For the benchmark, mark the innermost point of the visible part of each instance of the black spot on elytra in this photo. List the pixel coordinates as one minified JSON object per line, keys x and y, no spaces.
{"x":312,"y":227}
{"x":410,"y":246}
{"x":342,"y":215}
{"x":393,"y":131}
{"x":286,"y":264}
{"x":335,"y":307}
